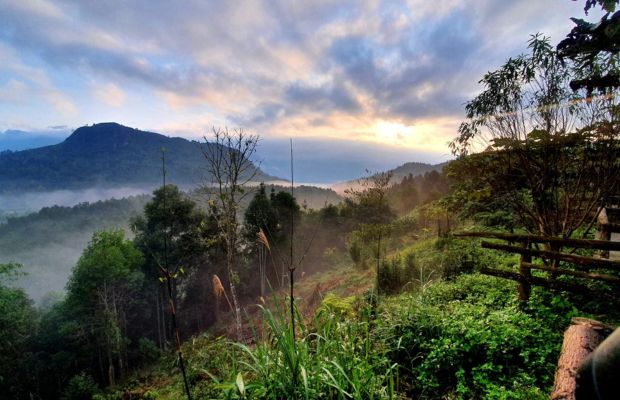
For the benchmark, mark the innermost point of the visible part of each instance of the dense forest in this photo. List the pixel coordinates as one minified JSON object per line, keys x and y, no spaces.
{"x":238,"y":291}
{"x":49,"y":242}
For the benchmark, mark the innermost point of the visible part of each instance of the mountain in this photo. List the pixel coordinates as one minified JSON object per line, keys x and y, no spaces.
{"x":104,"y":155}
{"x":398,"y":173}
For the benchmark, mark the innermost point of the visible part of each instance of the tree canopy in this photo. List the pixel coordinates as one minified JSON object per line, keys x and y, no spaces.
{"x":549,"y":152}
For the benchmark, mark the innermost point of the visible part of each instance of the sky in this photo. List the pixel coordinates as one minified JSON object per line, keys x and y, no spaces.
{"x":376,"y":83}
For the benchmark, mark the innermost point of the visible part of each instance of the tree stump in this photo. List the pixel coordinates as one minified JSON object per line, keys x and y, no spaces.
{"x":580,"y":339}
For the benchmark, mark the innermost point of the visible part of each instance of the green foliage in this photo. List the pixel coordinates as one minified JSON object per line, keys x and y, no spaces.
{"x":109,"y":260}
{"x":80,"y":387}
{"x":550,"y":171}
{"x":171,"y":219}
{"x":341,"y":306}
{"x":260,"y":214}
{"x":336,"y":361}
{"x":356,"y":253}
{"x":414,"y":191}
{"x":106,"y":277}
{"x":148,"y":352}
{"x":18,"y":320}
{"x":391,"y":275}
{"x":470,"y":339}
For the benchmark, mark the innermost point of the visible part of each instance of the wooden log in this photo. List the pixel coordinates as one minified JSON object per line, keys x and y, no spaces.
{"x":576,"y":243}
{"x":580,"y":339}
{"x":600,"y":277}
{"x":587,"y":262}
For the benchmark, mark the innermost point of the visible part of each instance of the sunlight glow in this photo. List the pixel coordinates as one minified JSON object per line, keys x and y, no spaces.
{"x":391,"y":132}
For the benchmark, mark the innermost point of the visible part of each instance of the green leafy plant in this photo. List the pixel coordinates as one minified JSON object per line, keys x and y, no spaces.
{"x":470,"y":339}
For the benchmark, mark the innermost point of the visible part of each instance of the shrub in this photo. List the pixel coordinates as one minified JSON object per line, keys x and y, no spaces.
{"x":80,"y":387}
{"x":470,"y":339}
{"x":148,"y":352}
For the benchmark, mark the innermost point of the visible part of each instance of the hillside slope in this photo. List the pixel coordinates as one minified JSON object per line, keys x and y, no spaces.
{"x":398,"y":173}
{"x":49,"y":242}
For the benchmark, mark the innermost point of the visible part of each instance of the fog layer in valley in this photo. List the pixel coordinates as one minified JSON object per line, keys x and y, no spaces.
{"x":48,"y":241}
{"x":27,"y":202}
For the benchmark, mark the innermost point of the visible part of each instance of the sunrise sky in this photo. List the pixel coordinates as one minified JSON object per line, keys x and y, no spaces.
{"x":386,"y":78}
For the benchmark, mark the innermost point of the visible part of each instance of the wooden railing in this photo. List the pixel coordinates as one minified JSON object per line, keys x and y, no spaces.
{"x":586,"y":268}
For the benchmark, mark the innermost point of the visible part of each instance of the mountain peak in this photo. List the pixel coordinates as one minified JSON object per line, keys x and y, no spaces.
{"x":104,"y":155}
{"x":111,"y":136}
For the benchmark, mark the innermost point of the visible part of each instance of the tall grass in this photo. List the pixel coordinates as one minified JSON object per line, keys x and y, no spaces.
{"x":336,"y":357}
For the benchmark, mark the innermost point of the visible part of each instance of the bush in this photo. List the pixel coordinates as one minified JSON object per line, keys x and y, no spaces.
{"x":148,"y":352}
{"x":80,"y":387}
{"x":470,"y":339}
{"x":391,"y":275}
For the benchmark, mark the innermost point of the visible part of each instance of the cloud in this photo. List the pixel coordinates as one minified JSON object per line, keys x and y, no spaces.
{"x":324,"y":97}
{"x":331,"y":68}
{"x":110,"y":94}
{"x":13,"y":91}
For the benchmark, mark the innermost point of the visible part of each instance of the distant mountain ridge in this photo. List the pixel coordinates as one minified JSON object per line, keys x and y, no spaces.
{"x":398,"y":173}
{"x":104,"y":155}
{"x":16,"y":140}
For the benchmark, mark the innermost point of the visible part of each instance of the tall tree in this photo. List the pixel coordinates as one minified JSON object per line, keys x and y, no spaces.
{"x":229,"y":169}
{"x":18,"y":321}
{"x":182,"y":230}
{"x":550,"y":152}
{"x":100,"y":289}
{"x":372,"y":209}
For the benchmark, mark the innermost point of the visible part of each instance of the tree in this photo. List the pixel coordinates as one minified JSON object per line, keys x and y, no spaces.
{"x":229,"y":167}
{"x":172,"y":224}
{"x":594,"y":47}
{"x":549,"y":152}
{"x":260,"y":214}
{"x":371,"y":206}
{"x":100,"y":289}
{"x":18,"y":321}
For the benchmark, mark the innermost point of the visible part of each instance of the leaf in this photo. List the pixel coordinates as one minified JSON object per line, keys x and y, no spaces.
{"x":304,"y":378}
{"x":240,"y":384}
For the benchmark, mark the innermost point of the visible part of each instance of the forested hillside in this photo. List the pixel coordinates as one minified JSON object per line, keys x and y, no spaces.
{"x":105,"y":155}
{"x":49,"y":242}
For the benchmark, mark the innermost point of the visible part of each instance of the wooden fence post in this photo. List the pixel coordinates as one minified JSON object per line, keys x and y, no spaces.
{"x":525,"y":287}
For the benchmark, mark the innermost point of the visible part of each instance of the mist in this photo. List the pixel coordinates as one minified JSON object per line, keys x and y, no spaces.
{"x":27,"y":202}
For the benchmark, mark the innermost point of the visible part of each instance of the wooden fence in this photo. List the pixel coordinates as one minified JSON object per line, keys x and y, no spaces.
{"x":552,"y":251}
